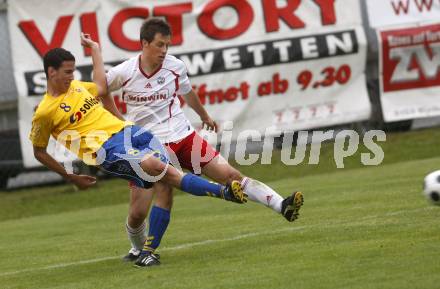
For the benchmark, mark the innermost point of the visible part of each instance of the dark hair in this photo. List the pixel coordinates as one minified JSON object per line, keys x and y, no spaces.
{"x":152,"y":26}
{"x":55,"y":58}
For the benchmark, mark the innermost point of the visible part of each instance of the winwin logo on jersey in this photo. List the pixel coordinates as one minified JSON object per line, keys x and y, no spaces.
{"x":88,"y":104}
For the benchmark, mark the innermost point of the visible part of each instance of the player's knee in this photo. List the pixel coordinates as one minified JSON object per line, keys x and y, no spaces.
{"x":153,"y":166}
{"x":164,"y":201}
{"x":234,"y":175}
{"x":136,"y":216}
{"x":164,"y":194}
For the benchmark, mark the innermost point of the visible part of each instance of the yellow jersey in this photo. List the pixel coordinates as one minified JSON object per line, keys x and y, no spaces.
{"x":76,"y":119}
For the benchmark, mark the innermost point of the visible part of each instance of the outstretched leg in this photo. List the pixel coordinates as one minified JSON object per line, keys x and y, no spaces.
{"x":221,"y":171}
{"x":192,"y":184}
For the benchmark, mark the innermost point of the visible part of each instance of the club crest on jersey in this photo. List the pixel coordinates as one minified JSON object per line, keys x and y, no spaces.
{"x":161,"y":80}
{"x":88,"y":104}
{"x":148,"y":85}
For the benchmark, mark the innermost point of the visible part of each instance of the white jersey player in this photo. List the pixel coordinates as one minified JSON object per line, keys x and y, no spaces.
{"x":151,"y":84}
{"x":152,"y":99}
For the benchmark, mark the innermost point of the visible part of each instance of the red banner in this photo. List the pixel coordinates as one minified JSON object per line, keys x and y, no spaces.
{"x":411,"y":57}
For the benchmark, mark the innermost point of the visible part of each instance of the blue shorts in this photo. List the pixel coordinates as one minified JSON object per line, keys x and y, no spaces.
{"x":123,"y":152}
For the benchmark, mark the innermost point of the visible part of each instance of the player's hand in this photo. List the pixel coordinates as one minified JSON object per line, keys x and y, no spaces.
{"x":209,"y":124}
{"x":82,"y":181}
{"x":87,"y":41}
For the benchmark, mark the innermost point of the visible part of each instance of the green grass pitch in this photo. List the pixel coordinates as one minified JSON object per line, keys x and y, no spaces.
{"x":360,"y":227}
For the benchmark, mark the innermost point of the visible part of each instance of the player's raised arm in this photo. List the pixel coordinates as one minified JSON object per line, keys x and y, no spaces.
{"x":98,"y":64}
{"x":109,"y":104}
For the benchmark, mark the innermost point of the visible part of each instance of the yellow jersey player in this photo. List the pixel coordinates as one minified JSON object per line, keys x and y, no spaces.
{"x":72,"y":113}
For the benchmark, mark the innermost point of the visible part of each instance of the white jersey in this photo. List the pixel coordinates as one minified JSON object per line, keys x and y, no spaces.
{"x":152,"y":100}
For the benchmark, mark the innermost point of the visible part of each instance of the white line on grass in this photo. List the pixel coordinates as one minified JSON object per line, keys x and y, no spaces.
{"x":207,"y":242}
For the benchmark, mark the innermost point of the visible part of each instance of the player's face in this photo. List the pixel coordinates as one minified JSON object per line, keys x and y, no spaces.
{"x":157,"y":49}
{"x":63,"y":76}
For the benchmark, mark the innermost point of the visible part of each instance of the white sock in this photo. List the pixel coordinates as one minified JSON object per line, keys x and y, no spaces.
{"x":137,"y":236}
{"x":261,"y":193}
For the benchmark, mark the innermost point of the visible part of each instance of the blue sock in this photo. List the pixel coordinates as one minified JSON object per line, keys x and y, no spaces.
{"x":159,"y":220}
{"x":200,"y":187}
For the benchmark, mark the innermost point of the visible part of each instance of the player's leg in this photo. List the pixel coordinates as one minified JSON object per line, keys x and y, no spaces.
{"x":158,"y":224}
{"x":159,"y":216}
{"x":221,"y":171}
{"x":140,"y":202}
{"x":195,"y":152}
{"x":135,"y":154}
{"x":191,"y":183}
{"x":164,"y":196}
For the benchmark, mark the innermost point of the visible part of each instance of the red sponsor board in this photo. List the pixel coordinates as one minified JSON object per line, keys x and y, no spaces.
{"x":410,"y":58}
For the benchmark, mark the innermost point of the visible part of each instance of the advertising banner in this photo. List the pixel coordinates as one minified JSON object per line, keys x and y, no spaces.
{"x":292,"y":65}
{"x":409,"y":71}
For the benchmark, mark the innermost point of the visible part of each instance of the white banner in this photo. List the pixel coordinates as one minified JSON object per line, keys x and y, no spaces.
{"x":292,"y":65}
{"x":394,"y":12}
{"x":410,"y":72}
